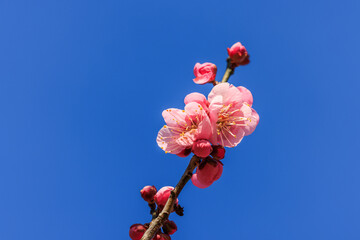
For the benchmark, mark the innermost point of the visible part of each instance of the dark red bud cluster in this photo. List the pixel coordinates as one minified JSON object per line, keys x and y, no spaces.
{"x":157,"y":201}
{"x":138,"y":230}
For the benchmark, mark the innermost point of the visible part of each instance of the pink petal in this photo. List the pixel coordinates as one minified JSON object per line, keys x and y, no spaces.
{"x":225,"y":94}
{"x":166,"y":141}
{"x":246,"y":95}
{"x":174,"y":117}
{"x":251,"y":125}
{"x":198,"y":98}
{"x":227,"y":139}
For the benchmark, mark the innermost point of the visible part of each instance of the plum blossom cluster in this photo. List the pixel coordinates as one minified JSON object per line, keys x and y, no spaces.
{"x":205,"y":127}
{"x":156,"y":199}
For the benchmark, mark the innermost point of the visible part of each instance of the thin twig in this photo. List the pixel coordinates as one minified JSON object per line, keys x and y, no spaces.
{"x":157,"y":223}
{"x":230,"y":69}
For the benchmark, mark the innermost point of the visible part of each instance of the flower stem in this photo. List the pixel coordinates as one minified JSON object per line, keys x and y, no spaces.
{"x":157,"y":223}
{"x":229,"y":71}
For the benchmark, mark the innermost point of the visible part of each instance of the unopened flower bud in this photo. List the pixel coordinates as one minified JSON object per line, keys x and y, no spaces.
{"x":204,"y":73}
{"x":169,"y":227}
{"x":238,"y":55}
{"x":137,"y":231}
{"x":208,"y":172}
{"x":163,"y":195}
{"x":148,"y":193}
{"x":218,"y":152}
{"x":202,"y":148}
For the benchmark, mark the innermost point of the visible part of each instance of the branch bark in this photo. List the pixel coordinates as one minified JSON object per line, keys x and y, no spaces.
{"x":157,"y":223}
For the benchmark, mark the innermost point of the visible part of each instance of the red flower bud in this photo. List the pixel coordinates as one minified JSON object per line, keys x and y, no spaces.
{"x":163,"y":195}
{"x":208,"y":172}
{"x":170,"y":227}
{"x":218,"y":152}
{"x":137,"y":231}
{"x":202,"y":148}
{"x":204,"y":73}
{"x":238,"y":55}
{"x":148,"y":193}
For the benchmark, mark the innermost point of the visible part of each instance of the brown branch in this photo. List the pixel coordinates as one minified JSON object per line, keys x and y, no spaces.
{"x":157,"y":223}
{"x":230,"y":69}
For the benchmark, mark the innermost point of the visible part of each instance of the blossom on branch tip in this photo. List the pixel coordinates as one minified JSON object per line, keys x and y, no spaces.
{"x":148,"y":193}
{"x":207,"y":173}
{"x":183,"y":128}
{"x":238,"y":55}
{"x":163,"y":195}
{"x":204,"y":73}
{"x":137,"y":231}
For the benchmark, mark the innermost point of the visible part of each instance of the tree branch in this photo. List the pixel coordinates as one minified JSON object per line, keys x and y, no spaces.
{"x":157,"y":223}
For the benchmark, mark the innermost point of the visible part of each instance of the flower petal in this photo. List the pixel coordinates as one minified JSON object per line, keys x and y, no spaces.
{"x":225,"y":93}
{"x":174,"y":117}
{"x":252,"y":123}
{"x":246,"y":95}
{"x":198,"y":98}
{"x":166,"y":140}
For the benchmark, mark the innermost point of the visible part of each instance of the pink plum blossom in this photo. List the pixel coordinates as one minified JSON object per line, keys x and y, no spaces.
{"x":231,"y":114}
{"x":238,"y":54}
{"x":137,"y":231}
{"x":202,"y":148}
{"x":163,"y":195}
{"x":208,"y":172}
{"x":183,"y":128}
{"x":148,"y":193}
{"x":204,"y":73}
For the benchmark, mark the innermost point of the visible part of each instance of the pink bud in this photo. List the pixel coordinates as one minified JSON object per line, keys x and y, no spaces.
{"x":202,"y":148}
{"x":204,"y":73}
{"x":218,"y":153}
{"x":208,"y":172}
{"x":238,"y":54}
{"x":163,"y":195}
{"x":148,"y":193}
{"x":137,"y":231}
{"x":170,"y":227}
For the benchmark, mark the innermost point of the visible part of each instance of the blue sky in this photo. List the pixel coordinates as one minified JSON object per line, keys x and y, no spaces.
{"x":83,"y":85}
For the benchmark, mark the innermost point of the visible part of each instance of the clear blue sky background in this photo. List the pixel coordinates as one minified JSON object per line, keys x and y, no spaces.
{"x":83,"y":85}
